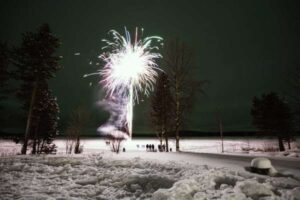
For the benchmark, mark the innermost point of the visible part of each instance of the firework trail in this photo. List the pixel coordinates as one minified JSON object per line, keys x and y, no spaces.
{"x":129,"y":70}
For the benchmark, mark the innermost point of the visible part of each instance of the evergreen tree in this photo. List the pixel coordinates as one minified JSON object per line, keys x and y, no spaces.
{"x":45,"y":121}
{"x":36,"y":63}
{"x":162,"y":105}
{"x":271,"y":115}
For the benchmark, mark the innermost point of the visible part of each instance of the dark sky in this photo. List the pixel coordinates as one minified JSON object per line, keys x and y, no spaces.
{"x":244,"y":48}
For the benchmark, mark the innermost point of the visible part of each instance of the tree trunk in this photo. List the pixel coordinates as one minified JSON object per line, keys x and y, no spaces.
{"x":280,"y":143}
{"x":34,"y":146}
{"x":177,"y":122}
{"x":35,"y":138}
{"x":76,"y":150}
{"x":165,"y":136}
{"x":29,"y":119}
{"x":39,"y":146}
{"x":160,"y":135}
{"x":221,"y":134}
{"x":219,"y":121}
{"x":167,"y":143}
{"x":42,"y":146}
{"x":160,"y":140}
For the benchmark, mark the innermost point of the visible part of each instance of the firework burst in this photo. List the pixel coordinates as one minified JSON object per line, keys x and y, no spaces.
{"x":130,"y":69}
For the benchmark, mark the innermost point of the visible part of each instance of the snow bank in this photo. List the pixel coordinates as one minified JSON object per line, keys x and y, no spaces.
{"x":102,"y":176}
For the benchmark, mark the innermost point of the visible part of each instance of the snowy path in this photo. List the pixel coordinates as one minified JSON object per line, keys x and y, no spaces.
{"x":237,"y":162}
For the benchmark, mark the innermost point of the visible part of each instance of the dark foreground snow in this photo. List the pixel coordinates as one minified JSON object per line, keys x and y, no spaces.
{"x":102,"y":176}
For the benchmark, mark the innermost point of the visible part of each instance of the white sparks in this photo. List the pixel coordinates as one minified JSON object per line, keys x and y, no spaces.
{"x":129,"y":69}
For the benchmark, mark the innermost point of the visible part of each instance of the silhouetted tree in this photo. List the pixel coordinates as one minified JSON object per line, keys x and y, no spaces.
{"x":271,"y":115}
{"x":115,"y":143}
{"x":79,"y":120}
{"x":36,"y":63}
{"x":162,"y":105}
{"x":179,"y":60}
{"x":44,"y":122}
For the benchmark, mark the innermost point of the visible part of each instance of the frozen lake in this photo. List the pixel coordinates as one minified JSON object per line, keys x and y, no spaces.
{"x":190,"y":144}
{"x":211,"y":145}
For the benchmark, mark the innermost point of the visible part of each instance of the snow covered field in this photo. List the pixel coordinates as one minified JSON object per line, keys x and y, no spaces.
{"x":204,"y":145}
{"x":207,"y":145}
{"x":132,"y":176}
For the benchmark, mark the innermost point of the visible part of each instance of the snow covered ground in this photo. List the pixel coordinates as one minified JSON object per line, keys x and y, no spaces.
{"x":135,"y":175}
{"x":258,"y":147}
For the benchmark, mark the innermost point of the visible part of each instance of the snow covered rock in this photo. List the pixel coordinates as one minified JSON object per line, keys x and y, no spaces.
{"x":263,"y":166}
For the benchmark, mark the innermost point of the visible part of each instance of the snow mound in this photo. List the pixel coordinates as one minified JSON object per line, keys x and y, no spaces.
{"x":261,"y":163}
{"x":263,"y":166}
{"x":100,"y":176}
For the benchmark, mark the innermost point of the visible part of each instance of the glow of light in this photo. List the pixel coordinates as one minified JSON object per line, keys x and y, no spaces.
{"x":129,"y":69}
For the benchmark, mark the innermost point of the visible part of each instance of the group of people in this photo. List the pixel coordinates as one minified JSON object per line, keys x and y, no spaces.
{"x":161,"y":148}
{"x":150,"y":147}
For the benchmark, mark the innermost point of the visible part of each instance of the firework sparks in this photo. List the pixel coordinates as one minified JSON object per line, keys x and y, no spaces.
{"x":130,"y":69}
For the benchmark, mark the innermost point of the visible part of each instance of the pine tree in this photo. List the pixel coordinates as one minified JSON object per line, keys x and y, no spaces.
{"x":45,"y":121}
{"x":271,"y":115}
{"x":36,"y":63}
{"x":162,"y":105}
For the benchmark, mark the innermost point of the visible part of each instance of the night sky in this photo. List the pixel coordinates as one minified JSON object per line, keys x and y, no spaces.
{"x":243,"y":48}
